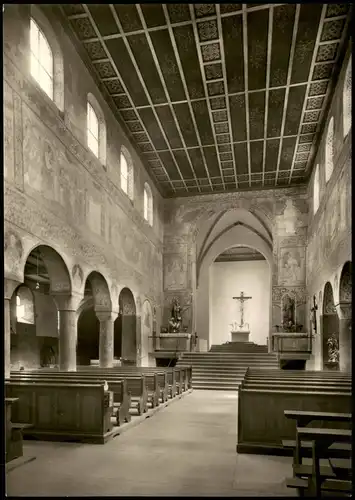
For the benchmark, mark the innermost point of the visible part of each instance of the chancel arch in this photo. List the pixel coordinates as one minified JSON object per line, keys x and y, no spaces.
{"x":242,"y":230}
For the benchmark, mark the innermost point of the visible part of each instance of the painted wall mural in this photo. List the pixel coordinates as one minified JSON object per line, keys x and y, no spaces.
{"x":292,"y":269}
{"x":175,"y":271}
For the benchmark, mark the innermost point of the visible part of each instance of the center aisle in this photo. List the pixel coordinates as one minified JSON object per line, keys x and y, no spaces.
{"x":187,"y":448}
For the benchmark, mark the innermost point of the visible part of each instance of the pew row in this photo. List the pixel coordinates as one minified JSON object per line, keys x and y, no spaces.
{"x":13,"y":432}
{"x":135,"y":386}
{"x":262,"y":425}
{"x":60,"y":412}
{"x":314,"y":479}
{"x":182,"y":375}
{"x":121,"y":397}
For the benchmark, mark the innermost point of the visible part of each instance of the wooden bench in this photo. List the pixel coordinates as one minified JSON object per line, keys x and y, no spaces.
{"x":157,"y":380}
{"x":300,"y":380}
{"x":151,"y":379}
{"x":134,"y":390}
{"x":62,"y":411}
{"x":262,"y":426}
{"x":310,"y":386}
{"x":302,"y":419}
{"x":13,"y":433}
{"x":310,"y":480}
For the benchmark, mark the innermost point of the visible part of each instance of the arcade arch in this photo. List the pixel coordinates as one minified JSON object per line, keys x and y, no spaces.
{"x":330,"y":329}
{"x":125,"y":328}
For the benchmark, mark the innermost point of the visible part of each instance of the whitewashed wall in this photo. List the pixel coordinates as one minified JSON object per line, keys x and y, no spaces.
{"x":227,"y":280}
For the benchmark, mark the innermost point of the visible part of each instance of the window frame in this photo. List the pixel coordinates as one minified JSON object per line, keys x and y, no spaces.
{"x":130,"y":173}
{"x":91,"y":113}
{"x":45,"y":27}
{"x":347,"y":96}
{"x":329,"y":150}
{"x":38,"y":57}
{"x":316,"y":190}
{"x":148,"y":204}
{"x":92,"y":103}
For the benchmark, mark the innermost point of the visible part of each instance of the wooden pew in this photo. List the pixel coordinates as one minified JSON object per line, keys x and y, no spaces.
{"x":121,"y":396}
{"x":151,"y":379}
{"x":309,"y":386}
{"x":303,"y":419}
{"x":312,"y":479}
{"x":179,"y":378}
{"x":62,"y":411}
{"x":13,"y":432}
{"x":136,"y":384}
{"x":159,"y":386}
{"x":262,"y":425}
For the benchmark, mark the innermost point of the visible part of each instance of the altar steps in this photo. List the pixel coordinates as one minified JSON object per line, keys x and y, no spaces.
{"x":225,"y":369}
{"x":239,"y":347}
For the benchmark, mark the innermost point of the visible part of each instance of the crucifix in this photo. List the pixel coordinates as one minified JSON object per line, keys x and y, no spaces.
{"x":313,"y":314}
{"x":242,"y":299}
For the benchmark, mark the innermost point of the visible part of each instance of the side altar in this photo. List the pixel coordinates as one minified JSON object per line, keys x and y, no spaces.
{"x":290,"y":342}
{"x":175,"y":338}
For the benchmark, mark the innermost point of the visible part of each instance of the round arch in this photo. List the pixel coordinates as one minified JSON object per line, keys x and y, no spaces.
{"x":125,"y":328}
{"x":100,"y":291}
{"x":58,"y":272}
{"x":237,"y":235}
{"x":345,"y":318}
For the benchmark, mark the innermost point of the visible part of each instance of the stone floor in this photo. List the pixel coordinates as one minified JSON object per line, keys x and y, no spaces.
{"x":188,"y":448}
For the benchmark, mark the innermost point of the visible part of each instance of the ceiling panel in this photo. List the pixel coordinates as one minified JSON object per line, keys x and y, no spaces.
{"x":216,"y":97}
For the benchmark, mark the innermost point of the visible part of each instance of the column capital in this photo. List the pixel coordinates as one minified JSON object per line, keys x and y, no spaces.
{"x":106,"y":315}
{"x":66,"y":302}
{"x":10,"y":286}
{"x":344,"y":310}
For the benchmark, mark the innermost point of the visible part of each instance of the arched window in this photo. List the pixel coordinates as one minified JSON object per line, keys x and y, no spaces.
{"x":347,"y":101}
{"x":93,"y":130}
{"x":126,"y":172}
{"x":148,"y":204}
{"x":24,"y":306}
{"x":45,"y":56}
{"x":96,"y":129}
{"x":41,"y":59}
{"x":329,"y":150}
{"x":316,"y":190}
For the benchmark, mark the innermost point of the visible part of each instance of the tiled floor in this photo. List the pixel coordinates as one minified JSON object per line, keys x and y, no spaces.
{"x":188,"y":448}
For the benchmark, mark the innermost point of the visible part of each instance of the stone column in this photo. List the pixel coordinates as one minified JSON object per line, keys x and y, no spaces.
{"x":67,"y":340}
{"x":106,"y":338}
{"x":139,"y":360}
{"x":9,"y":288}
{"x":345,"y":339}
{"x":7,"y":338}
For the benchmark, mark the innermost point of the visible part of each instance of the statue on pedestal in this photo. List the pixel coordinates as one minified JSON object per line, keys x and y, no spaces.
{"x":176,"y":319}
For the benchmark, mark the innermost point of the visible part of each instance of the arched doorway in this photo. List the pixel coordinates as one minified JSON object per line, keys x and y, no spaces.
{"x":96,"y":299}
{"x":147,"y":332}
{"x":34,"y":317}
{"x":125,"y":328}
{"x":345,"y":318}
{"x":330,"y":331}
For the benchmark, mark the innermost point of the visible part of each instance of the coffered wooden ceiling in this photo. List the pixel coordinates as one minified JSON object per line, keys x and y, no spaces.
{"x":216,"y":97}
